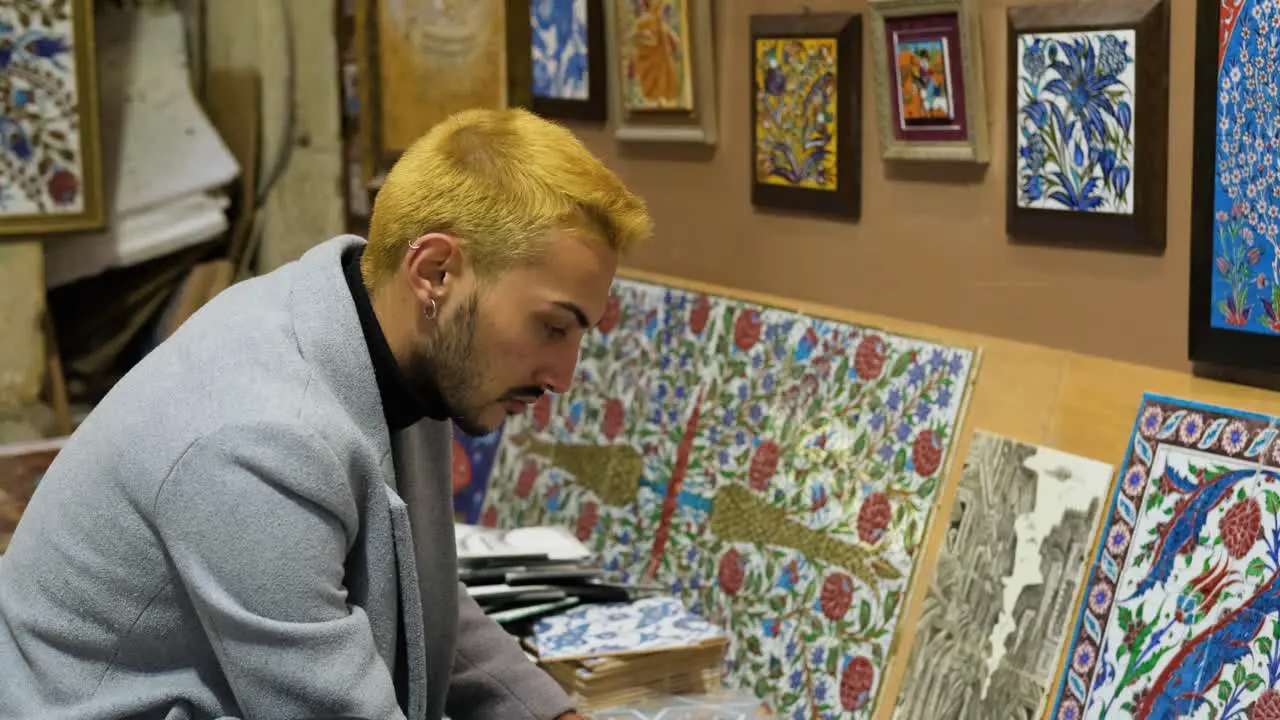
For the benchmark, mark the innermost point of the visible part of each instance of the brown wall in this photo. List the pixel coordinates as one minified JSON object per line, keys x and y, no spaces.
{"x":931,"y":245}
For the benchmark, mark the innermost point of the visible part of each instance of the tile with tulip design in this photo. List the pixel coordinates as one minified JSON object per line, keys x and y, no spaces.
{"x":1178,"y":615}
{"x":775,"y":471}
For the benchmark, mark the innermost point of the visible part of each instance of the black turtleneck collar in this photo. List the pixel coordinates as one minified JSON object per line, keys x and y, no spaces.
{"x":401,"y":404}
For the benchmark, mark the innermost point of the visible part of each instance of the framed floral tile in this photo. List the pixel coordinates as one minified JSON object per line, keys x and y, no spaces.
{"x":1177,"y":615}
{"x":776,"y":471}
{"x":50,"y":155}
{"x":1235,"y":235}
{"x":566,"y":44}
{"x":806,"y":112}
{"x":1088,"y":119}
{"x":662,"y":75}
{"x":928,"y":73}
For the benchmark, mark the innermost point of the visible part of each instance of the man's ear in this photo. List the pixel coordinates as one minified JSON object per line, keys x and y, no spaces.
{"x":432,"y":261}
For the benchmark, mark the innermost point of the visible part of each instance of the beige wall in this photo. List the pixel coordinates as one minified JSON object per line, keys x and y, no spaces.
{"x":931,"y":244}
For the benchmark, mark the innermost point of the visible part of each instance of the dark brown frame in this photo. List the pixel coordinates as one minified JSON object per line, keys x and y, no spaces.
{"x":1145,"y":229}
{"x":596,"y":107}
{"x":846,"y":28}
{"x":1236,"y":355}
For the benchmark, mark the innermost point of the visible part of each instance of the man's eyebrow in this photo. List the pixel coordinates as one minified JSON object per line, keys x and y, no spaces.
{"x":578,"y":314}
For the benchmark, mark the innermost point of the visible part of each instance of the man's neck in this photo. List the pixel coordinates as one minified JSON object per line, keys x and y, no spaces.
{"x":402,"y":403}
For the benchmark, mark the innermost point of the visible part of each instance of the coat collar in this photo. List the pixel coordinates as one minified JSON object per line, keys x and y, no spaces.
{"x":331,"y":340}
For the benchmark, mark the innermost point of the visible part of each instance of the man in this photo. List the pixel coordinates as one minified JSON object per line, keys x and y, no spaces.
{"x":256,"y":521}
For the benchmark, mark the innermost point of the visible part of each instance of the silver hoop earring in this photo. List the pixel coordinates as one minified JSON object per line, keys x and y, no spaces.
{"x":432,"y":310}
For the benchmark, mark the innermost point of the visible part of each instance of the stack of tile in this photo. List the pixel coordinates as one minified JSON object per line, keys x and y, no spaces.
{"x":613,"y":654}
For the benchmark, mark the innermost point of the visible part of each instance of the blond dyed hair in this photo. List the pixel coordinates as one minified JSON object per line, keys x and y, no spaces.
{"x":498,"y":180}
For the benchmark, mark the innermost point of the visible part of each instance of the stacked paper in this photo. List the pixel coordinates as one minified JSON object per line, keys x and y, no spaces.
{"x":164,"y":164}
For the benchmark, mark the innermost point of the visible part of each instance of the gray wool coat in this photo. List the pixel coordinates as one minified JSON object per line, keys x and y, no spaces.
{"x":233,"y":533}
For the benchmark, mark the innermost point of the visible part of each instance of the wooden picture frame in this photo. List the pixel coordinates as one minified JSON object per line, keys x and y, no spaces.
{"x":955,"y":128}
{"x":583,"y":101}
{"x":1106,"y":185}
{"x":809,"y":38}
{"x":1234,"y":318}
{"x":51,"y":180}
{"x":697,"y":123}
{"x":516,"y":65}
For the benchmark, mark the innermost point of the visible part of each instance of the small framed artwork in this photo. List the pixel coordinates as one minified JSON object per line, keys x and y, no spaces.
{"x":420,"y":61}
{"x":806,"y":113}
{"x":566,"y":49}
{"x":1235,"y":233}
{"x":1088,"y":110}
{"x":50,"y":158}
{"x":930,"y":100}
{"x":662,"y":84}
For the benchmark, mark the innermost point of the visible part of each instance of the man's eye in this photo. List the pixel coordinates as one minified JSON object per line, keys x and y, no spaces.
{"x":555,"y":332}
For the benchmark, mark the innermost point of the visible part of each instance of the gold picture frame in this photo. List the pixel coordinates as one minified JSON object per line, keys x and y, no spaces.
{"x":509,"y":88}
{"x":944,"y":116}
{"x":79,"y":182}
{"x":696,"y":125}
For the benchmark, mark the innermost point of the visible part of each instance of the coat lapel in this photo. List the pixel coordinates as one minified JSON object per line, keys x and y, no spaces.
{"x":422,"y":457}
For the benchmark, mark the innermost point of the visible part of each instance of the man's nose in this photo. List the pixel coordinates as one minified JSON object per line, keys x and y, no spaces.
{"x":557,"y":376}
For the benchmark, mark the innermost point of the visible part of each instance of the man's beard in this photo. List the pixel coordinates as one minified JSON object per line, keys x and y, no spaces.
{"x":447,"y":369}
{"x":444,"y":368}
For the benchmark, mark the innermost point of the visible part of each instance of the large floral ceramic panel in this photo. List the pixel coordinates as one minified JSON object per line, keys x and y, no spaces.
{"x":1076,"y":100}
{"x":1178,"y":615}
{"x":1246,"y":191}
{"x":775,"y":471}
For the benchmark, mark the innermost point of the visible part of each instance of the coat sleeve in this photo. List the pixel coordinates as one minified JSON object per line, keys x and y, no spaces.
{"x":257,"y":521}
{"x":492,"y":677}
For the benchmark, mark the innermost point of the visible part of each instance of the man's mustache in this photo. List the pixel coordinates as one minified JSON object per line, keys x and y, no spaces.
{"x":528,"y":393}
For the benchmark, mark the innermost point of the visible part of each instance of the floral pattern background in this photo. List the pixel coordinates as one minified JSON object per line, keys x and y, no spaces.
{"x":1075,"y":129}
{"x":788,"y":470}
{"x":41,"y":167}
{"x":1246,"y":263}
{"x":559,"y":45}
{"x":1179,"y":613}
{"x":795,"y":133}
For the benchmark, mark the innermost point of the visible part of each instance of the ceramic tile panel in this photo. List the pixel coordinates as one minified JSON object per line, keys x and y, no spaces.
{"x":775,"y":471}
{"x":1178,"y":613}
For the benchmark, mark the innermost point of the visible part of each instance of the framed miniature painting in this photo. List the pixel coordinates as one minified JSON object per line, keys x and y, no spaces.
{"x":50,"y":159}
{"x":1088,"y":117}
{"x":662,"y":78}
{"x":566,"y":48}
{"x":806,"y":127}
{"x":1235,"y":234}
{"x":927,"y":57}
